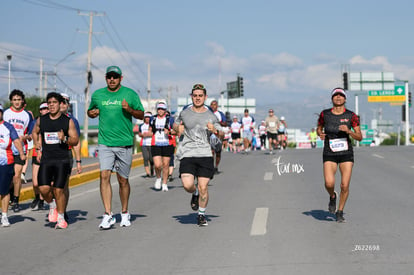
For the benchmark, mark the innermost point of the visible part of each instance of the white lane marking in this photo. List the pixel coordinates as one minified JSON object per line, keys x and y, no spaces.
{"x":377,"y":156}
{"x":268,"y":176}
{"x":259,"y":222}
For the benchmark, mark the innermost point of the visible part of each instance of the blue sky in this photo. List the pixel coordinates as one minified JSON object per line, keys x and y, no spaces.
{"x":287,"y":51}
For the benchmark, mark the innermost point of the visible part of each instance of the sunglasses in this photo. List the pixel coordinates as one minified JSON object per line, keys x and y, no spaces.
{"x":44,"y":109}
{"x":114,"y":76}
{"x":199,"y":87}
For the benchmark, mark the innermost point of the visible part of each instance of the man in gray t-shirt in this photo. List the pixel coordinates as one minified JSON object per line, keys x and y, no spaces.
{"x":197,"y":123}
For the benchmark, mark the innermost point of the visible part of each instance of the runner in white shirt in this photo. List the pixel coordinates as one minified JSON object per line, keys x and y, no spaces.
{"x":247,"y":122}
{"x":235,"y":134}
{"x":17,"y":116}
{"x":262,"y":134}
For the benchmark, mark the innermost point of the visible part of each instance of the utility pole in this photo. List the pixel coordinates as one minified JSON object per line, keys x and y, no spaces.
{"x":169,"y":97}
{"x":9,"y":58}
{"x":88,"y":81}
{"x":41,"y":78}
{"x":149,"y":86}
{"x":407,"y":115}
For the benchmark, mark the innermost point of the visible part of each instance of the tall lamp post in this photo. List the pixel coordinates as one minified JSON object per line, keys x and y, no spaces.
{"x":63,"y":59}
{"x":9,"y":58}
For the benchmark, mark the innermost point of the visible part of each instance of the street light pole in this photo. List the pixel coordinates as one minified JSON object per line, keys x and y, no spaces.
{"x":9,"y":58}
{"x":63,"y":59}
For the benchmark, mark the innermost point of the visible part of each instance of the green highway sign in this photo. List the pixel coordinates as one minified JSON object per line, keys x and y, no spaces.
{"x":398,"y":90}
{"x":366,"y":141}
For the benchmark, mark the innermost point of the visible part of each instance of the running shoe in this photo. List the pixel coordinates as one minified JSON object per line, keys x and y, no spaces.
{"x":332,"y":204}
{"x":23,"y":178}
{"x":34,"y":203}
{"x":170,"y":178}
{"x":107,"y":221}
{"x":164,"y":187}
{"x":194,"y":202}
{"x":4,"y":221}
{"x":157,"y":184}
{"x":53,"y":215}
{"x":61,"y":224}
{"x":16,"y":207}
{"x":201,"y":220}
{"x":41,"y":205}
{"x":125,"y":219}
{"x":340,"y":216}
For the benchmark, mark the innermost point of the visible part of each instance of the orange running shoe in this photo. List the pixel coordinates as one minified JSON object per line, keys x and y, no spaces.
{"x":53,"y":215}
{"x":61,"y":223}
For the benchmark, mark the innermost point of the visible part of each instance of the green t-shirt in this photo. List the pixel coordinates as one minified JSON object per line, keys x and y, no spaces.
{"x":115,"y":124}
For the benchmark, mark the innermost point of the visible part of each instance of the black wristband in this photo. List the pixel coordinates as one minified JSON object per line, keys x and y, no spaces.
{"x":78,"y":161}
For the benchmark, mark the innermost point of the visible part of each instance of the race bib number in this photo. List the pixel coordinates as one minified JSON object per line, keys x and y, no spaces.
{"x":338,"y":144}
{"x":51,"y":138}
{"x":272,"y":124}
{"x":160,"y":138}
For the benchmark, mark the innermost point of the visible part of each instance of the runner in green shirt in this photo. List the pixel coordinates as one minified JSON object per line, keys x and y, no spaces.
{"x":115,"y":105}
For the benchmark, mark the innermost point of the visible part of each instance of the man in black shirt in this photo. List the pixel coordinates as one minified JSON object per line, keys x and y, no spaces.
{"x":52,"y":135}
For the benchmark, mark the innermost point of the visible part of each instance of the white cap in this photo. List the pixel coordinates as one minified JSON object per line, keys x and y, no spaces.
{"x":43,"y":105}
{"x":162,"y":105}
{"x":282,"y":118}
{"x":338,"y":91}
{"x":65,"y":96}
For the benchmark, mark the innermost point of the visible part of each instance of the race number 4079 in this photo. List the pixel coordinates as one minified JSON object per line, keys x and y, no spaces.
{"x":366,"y":247}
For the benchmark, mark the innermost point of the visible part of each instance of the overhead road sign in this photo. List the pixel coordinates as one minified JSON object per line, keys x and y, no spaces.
{"x":395,"y":95}
{"x":371,"y":81}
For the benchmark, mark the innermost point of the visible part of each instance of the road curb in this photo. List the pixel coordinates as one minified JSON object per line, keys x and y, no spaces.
{"x":27,"y":192}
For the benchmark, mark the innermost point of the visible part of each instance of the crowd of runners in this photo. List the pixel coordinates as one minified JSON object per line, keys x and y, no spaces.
{"x":202,"y":133}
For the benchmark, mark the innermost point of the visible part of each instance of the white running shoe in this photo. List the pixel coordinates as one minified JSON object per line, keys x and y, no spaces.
{"x":107,"y":221}
{"x":125,"y":221}
{"x":5,"y":221}
{"x":164,"y":187}
{"x":157,"y":184}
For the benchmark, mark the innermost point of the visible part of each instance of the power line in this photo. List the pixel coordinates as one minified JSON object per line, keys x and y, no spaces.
{"x":52,"y":5}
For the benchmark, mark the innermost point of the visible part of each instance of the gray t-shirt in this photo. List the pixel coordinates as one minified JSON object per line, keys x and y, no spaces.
{"x":196,"y":140}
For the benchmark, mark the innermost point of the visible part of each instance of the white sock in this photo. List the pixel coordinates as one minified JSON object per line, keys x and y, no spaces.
{"x":201,"y":211}
{"x":52,"y":204}
{"x":61,"y":216}
{"x":3,"y":214}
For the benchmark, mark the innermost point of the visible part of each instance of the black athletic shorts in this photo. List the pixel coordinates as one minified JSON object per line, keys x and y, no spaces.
{"x":198,"y":167}
{"x":34,"y":161}
{"x":271,"y":135}
{"x":18,"y":160}
{"x":163,"y":151}
{"x":339,"y":158}
{"x":6,"y":176}
{"x":57,"y":171}
{"x":235,"y":136}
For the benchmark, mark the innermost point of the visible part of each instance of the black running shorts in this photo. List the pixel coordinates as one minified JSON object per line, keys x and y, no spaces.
{"x":198,"y":167}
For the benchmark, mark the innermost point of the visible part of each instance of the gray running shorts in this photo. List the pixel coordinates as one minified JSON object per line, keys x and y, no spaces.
{"x":116,"y":159}
{"x":248,"y":134}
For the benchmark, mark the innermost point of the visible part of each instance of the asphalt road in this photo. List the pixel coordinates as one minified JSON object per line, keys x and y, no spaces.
{"x":267,"y":215}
